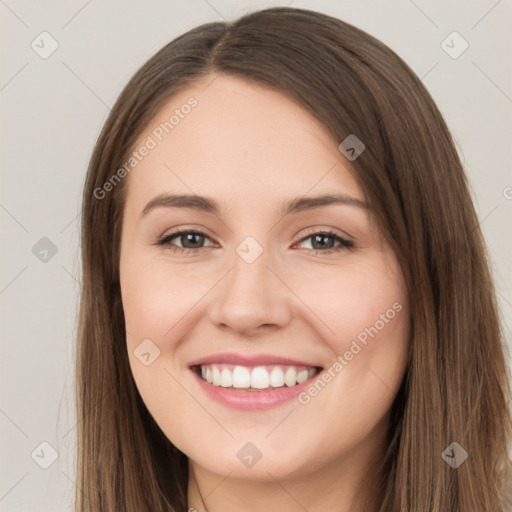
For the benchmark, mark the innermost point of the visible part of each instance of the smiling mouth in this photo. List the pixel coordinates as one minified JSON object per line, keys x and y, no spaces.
{"x":254,"y":378}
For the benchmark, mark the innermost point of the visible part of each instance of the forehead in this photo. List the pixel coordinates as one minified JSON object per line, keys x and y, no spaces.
{"x":238,"y":138}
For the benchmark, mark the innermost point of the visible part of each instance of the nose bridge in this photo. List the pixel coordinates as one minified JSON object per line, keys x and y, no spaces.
{"x":251,"y":296}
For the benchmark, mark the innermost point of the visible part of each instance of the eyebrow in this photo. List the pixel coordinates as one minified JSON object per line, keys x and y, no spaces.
{"x":208,"y":205}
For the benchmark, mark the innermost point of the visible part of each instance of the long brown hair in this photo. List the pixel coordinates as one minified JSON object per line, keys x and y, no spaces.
{"x":455,"y":387}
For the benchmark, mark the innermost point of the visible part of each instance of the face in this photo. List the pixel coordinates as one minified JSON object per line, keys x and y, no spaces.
{"x":267,"y":329}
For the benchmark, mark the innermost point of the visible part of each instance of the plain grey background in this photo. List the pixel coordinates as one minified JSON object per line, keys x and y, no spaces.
{"x":52,"y":109}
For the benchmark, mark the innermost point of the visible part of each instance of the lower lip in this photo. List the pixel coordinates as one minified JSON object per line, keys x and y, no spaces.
{"x":250,"y":400}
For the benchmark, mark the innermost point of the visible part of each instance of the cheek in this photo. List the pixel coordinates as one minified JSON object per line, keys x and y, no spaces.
{"x":156,"y":297}
{"x":362,"y":311}
{"x":158,"y":303}
{"x":363,"y":314}
{"x":354,"y":302}
{"x":163,"y":303}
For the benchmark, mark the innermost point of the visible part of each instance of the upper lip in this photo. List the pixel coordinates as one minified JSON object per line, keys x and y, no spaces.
{"x":250,"y":360}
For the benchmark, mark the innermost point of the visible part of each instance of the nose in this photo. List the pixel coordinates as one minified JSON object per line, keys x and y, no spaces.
{"x":251,"y":299}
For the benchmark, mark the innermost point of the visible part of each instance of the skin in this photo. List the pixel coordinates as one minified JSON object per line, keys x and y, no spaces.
{"x":251,"y":149}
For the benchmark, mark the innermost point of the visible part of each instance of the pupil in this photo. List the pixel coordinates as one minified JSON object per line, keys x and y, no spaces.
{"x":321,"y":239}
{"x":192,"y":238}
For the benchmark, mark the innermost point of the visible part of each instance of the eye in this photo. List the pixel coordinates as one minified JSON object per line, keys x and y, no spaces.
{"x":187,"y":240}
{"x":326,"y":242}
{"x":190,"y":241}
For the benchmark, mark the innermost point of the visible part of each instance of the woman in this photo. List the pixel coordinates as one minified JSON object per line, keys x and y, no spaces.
{"x":286,"y":300}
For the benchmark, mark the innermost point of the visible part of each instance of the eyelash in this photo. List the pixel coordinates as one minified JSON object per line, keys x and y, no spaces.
{"x":343,"y":243}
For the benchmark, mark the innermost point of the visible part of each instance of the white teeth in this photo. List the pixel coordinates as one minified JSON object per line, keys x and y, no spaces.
{"x":277,"y":377}
{"x":302,"y":376}
{"x":216,"y":376}
{"x":241,"y":377}
{"x":226,"y":380}
{"x":259,"y":377}
{"x":290,"y":377}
